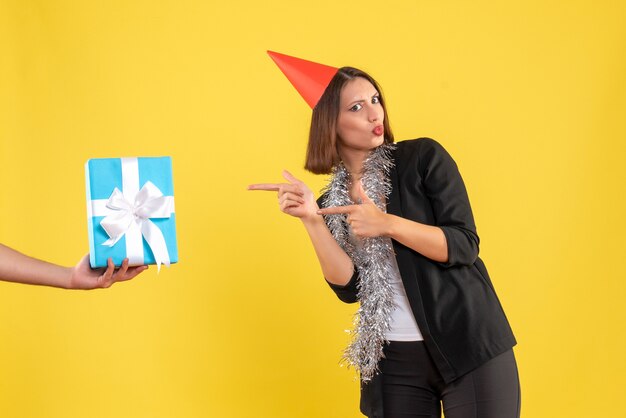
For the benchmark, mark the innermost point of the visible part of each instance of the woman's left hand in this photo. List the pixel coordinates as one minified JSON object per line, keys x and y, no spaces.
{"x":365,"y":219}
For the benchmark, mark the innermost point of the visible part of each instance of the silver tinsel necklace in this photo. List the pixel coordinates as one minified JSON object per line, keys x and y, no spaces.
{"x":372,"y":258}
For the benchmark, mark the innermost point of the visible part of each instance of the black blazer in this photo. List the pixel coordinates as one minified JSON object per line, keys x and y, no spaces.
{"x":454,"y":303}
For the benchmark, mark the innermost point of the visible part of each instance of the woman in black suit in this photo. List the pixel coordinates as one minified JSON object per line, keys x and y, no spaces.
{"x":397,"y":235}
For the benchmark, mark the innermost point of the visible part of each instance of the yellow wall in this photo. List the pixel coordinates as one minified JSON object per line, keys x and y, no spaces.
{"x":529,"y":97}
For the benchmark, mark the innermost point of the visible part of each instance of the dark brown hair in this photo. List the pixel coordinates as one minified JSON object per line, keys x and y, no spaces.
{"x":321,"y":153}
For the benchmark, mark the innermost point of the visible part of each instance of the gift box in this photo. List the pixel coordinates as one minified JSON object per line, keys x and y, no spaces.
{"x":130,"y":211}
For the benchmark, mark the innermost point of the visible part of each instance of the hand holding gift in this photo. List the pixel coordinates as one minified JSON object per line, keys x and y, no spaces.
{"x":84,"y":277}
{"x":20,"y":268}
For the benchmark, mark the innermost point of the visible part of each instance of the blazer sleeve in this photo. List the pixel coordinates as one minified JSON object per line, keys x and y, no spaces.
{"x":346,"y":293}
{"x":450,"y":203}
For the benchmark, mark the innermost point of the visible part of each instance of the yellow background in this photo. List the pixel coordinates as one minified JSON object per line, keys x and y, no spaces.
{"x":529,"y":98}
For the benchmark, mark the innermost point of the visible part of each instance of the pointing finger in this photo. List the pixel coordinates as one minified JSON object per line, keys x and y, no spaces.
{"x":335,"y":210}
{"x":270,"y":187}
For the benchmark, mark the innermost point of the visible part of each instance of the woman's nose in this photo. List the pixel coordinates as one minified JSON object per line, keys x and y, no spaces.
{"x":374,"y":115}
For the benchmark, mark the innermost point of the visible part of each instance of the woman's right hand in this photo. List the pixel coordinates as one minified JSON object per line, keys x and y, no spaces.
{"x":294,"y":198}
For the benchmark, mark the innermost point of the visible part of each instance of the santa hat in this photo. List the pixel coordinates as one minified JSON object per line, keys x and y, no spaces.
{"x":308,"y":77}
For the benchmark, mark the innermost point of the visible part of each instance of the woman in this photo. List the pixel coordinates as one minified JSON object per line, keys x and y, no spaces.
{"x":397,"y":234}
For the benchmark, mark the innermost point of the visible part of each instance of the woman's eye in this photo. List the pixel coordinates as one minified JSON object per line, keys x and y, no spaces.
{"x":356,"y":107}
{"x":376,"y":99}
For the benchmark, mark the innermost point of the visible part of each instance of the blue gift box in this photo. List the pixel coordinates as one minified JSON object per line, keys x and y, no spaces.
{"x":130,"y":210}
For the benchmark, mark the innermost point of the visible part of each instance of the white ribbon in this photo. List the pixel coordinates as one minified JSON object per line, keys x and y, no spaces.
{"x":129,"y":214}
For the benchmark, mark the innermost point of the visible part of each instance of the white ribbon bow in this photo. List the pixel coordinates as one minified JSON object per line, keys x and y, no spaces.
{"x":134,"y":216}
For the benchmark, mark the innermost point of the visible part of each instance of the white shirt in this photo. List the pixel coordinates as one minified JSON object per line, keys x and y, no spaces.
{"x":403,"y":324}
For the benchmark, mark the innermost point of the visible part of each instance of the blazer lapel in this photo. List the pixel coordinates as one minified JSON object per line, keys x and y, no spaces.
{"x":393,"y":202}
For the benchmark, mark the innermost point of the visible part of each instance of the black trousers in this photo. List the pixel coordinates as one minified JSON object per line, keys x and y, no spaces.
{"x":412,"y":386}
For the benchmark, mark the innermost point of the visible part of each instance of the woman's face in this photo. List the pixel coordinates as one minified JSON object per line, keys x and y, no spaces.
{"x":361,"y":115}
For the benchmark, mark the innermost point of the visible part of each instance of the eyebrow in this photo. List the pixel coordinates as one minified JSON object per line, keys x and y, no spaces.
{"x":362,"y":100}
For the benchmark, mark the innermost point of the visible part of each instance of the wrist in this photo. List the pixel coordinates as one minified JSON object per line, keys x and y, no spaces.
{"x":312,"y":220}
{"x":68,"y":274}
{"x":390,"y":225}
